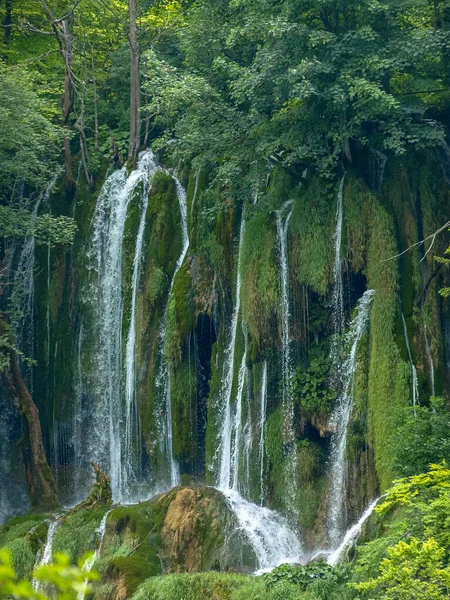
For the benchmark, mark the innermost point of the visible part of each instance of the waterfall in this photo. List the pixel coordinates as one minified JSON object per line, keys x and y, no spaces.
{"x":227,"y":385}
{"x":287,"y":371}
{"x":238,"y":420}
{"x":415,"y":381}
{"x":340,"y":419}
{"x":23,"y":285}
{"x":132,"y":425}
{"x":338,"y":289}
{"x":269,"y":534}
{"x":163,"y":377}
{"x":262,"y":423}
{"x":430,"y":358}
{"x":100,"y":531}
{"x":107,"y":443}
{"x":48,"y":550}
{"x":351,"y":535}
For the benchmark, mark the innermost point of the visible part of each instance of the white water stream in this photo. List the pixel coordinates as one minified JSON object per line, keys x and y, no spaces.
{"x":338,"y":288}
{"x":163,"y":377}
{"x":340,"y":419}
{"x":108,"y":444}
{"x":225,"y":436}
{"x":269,"y":534}
{"x":237,"y":426}
{"x":351,"y":535}
{"x":262,"y":423}
{"x":283,"y":217}
{"x":46,"y":556}
{"x":132,"y":425}
{"x":415,"y":381}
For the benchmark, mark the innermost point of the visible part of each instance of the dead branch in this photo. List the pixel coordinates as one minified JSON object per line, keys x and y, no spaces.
{"x":431,"y":237}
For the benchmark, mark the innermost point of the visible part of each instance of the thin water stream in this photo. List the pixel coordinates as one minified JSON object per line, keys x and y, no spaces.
{"x":340,"y":419}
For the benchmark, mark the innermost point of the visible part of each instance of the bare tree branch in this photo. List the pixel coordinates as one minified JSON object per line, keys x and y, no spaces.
{"x":431,"y":237}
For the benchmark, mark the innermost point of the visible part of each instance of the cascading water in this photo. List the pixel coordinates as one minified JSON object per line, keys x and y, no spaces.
{"x":46,"y":557}
{"x":23,"y":285}
{"x":287,"y":370}
{"x":338,"y":288}
{"x":163,"y":378}
{"x":100,"y":531}
{"x":237,"y":427}
{"x":132,"y":426}
{"x":269,"y":534}
{"x":107,"y":444}
{"x":415,"y":381}
{"x":351,"y":535}
{"x":430,"y":358}
{"x":262,"y":423}
{"x":340,"y":419}
{"x":225,"y":438}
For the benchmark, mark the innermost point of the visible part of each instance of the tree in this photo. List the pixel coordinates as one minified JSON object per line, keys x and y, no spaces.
{"x":135,"y":87}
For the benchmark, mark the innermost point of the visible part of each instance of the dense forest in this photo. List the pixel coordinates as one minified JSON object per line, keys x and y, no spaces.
{"x":224,"y":315}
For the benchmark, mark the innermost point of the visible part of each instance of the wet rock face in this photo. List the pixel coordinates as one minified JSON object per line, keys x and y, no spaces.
{"x":186,"y":530}
{"x":199,"y":533}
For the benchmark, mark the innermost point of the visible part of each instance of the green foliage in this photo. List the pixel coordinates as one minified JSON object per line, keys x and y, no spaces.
{"x":29,"y":141}
{"x":413,"y":570}
{"x":301,"y":576}
{"x":410,"y":559}
{"x":423,"y":438}
{"x":69,"y":582}
{"x":311,"y":386}
{"x":45,"y":228}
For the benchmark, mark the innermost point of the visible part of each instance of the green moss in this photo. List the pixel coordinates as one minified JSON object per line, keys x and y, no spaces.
{"x":201,"y":586}
{"x":24,"y":537}
{"x":388,"y":373}
{"x":259,"y":293}
{"x":212,"y":430}
{"x":184,"y":388}
{"x":311,"y":235}
{"x":312,"y":482}
{"x":180,"y":315}
{"x":76,"y":533}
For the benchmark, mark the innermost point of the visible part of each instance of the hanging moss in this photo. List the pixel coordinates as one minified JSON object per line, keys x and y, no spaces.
{"x":388,"y":373}
{"x":311,"y":236}
{"x":260,"y":294}
{"x":184,"y":388}
{"x":312,"y":482}
{"x":180,"y":315}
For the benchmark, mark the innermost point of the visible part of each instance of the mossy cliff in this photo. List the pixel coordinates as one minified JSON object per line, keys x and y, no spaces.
{"x":186,"y":530}
{"x":377,"y":226}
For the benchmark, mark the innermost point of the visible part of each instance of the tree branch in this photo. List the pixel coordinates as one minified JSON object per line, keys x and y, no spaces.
{"x":431,"y":237}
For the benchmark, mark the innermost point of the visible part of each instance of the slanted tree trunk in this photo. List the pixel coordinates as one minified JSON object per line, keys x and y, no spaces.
{"x":63,"y":30}
{"x":40,"y":480}
{"x":135,"y":100}
{"x":69,"y":93}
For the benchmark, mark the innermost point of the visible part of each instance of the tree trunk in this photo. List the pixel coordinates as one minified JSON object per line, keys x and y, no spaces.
{"x":135,"y":88}
{"x":7,"y":21}
{"x":62,"y":29}
{"x":69,"y":94}
{"x":41,"y":483}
